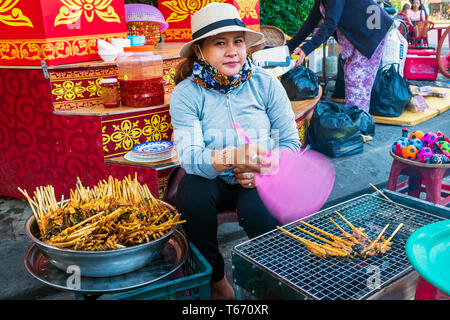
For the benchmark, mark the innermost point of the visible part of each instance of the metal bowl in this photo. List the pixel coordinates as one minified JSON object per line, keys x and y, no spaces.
{"x":106,"y":263}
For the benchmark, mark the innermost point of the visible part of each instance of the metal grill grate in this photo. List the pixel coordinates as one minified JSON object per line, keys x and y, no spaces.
{"x":335,"y":279}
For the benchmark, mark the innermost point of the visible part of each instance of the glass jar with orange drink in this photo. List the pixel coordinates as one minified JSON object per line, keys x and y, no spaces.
{"x":140,"y":77}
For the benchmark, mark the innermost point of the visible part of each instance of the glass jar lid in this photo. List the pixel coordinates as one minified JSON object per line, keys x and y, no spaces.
{"x":108,"y":80}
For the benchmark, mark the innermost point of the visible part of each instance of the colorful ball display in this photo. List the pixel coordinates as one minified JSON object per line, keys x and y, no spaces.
{"x":409,"y":152}
{"x":428,"y":147}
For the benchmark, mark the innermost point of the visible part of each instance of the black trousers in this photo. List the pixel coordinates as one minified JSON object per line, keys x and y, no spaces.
{"x":199,"y":199}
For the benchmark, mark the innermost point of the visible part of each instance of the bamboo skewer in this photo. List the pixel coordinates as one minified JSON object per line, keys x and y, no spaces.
{"x":377,"y":238}
{"x":392,"y":235}
{"x":352,"y":226}
{"x":380,"y":192}
{"x":315,"y":236}
{"x":319,"y":230}
{"x":311,"y":243}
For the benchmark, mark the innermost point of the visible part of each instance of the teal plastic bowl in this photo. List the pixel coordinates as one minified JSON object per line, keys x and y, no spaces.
{"x":428,"y":251}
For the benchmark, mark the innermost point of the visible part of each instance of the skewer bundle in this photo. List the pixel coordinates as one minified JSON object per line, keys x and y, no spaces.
{"x":349,"y":245}
{"x":113,"y":214}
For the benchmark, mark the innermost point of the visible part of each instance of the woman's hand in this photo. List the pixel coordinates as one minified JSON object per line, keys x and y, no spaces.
{"x":250,"y":158}
{"x":245,"y":179}
{"x":301,"y":56}
{"x":247,"y":158}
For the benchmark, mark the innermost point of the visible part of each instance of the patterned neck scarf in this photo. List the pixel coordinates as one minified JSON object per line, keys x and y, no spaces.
{"x":209,"y":77}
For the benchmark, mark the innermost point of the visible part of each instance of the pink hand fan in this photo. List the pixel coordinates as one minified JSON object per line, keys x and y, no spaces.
{"x":298,"y":187}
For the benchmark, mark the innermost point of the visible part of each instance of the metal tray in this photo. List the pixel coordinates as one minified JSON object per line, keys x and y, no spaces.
{"x":172,"y":256}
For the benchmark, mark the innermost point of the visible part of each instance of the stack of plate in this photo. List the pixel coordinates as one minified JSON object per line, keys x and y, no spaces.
{"x":151,"y":151}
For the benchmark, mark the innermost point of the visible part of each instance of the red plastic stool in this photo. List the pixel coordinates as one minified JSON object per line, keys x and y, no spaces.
{"x":426,"y":291}
{"x":423,"y":177}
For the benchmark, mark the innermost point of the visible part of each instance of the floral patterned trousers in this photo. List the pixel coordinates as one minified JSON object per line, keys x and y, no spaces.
{"x":359,"y":72}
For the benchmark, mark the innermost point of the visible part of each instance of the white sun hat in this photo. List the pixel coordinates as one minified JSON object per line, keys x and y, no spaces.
{"x":218,"y":18}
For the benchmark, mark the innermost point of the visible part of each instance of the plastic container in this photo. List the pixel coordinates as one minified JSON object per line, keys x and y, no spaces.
{"x":190,"y":282}
{"x":140,"y":77}
{"x":110,"y":92}
{"x":421,"y":64}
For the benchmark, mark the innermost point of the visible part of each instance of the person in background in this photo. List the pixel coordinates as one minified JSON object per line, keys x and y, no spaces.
{"x":217,"y":85}
{"x":416,"y":14}
{"x":404,"y":13}
{"x":361,"y":43}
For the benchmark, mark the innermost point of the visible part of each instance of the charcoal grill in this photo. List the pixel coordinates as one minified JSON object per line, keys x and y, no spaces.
{"x":278,"y":263}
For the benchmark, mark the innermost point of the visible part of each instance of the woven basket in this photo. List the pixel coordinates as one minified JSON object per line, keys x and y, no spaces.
{"x":274,"y":36}
{"x":151,"y":31}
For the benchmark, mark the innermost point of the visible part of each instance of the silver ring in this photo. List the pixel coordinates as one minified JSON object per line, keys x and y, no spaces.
{"x":249,"y":184}
{"x":255,"y":157}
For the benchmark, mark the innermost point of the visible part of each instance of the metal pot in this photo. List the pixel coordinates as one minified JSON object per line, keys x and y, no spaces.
{"x":99,"y":263}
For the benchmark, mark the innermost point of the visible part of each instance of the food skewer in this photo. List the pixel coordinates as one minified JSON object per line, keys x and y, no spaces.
{"x":328,"y":250}
{"x":392,"y":235}
{"x":366,"y":250}
{"x":337,"y":243}
{"x":353,"y":227}
{"x":111,"y":215}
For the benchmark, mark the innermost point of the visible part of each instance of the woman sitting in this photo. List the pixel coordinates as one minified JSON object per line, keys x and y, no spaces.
{"x":217,"y":86}
{"x":416,"y":14}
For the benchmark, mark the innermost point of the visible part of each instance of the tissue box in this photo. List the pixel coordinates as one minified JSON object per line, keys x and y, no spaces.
{"x":178,"y":14}
{"x":57,"y":31}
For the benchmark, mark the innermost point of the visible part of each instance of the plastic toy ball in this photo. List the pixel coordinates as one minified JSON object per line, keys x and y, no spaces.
{"x":416,"y":143}
{"x":416,"y":135}
{"x":444,"y":145}
{"x":429,"y":139}
{"x":409,"y":152}
{"x":439,"y":159}
{"x":425,"y":154}
{"x":398,"y":145}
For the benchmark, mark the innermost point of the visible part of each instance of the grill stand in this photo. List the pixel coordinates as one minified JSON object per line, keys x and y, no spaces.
{"x":264,"y":284}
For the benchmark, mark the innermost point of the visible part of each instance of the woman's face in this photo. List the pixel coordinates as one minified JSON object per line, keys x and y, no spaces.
{"x":226,"y":52}
{"x":415,"y":4}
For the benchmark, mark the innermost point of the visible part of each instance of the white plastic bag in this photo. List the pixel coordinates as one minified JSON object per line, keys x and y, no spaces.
{"x":395,"y":50}
{"x":272,"y":57}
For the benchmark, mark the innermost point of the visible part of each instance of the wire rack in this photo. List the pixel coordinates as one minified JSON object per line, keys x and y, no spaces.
{"x":332,"y":278}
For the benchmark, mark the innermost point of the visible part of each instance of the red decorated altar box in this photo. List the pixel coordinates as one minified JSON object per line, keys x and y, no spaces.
{"x":178,"y":14}
{"x":57,"y":31}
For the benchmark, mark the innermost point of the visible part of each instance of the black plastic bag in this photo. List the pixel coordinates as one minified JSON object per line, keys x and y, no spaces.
{"x":362,"y":119}
{"x":300,"y":83}
{"x":339,"y":87}
{"x":390,"y":92}
{"x":333,"y":132}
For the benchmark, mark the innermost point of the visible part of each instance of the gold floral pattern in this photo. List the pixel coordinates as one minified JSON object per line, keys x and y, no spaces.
{"x":94,"y":88}
{"x":169,"y":76}
{"x":122,"y":134}
{"x":68,"y":90}
{"x":12,"y":16}
{"x":90,"y":81}
{"x":182,"y":9}
{"x":52,"y":48}
{"x":73,"y":10}
{"x":126,"y":135}
{"x":106,"y":139}
{"x":247,"y":8}
{"x":156,"y":128}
